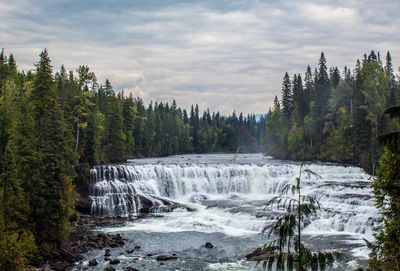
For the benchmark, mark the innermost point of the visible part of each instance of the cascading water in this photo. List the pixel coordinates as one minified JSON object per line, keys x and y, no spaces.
{"x":344,"y":192}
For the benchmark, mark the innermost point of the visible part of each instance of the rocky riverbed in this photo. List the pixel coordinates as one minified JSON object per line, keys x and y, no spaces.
{"x":83,"y":240}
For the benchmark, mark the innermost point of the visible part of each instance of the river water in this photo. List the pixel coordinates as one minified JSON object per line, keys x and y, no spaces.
{"x":227,"y":194}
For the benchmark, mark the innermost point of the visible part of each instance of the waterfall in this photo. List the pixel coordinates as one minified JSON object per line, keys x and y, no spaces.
{"x":344,"y":192}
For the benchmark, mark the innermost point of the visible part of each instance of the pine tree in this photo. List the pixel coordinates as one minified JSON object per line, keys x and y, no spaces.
{"x":386,"y":251}
{"x":50,"y":186}
{"x":334,"y":77}
{"x":321,"y":97}
{"x":17,"y":243}
{"x":287,"y":97}
{"x":300,"y":100}
{"x":391,"y":101}
{"x":115,"y":138}
{"x":128,"y":113}
{"x":194,"y":123}
{"x":308,"y":85}
{"x":362,"y":128}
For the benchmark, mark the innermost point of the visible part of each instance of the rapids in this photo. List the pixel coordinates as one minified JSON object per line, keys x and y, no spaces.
{"x":228,"y":195}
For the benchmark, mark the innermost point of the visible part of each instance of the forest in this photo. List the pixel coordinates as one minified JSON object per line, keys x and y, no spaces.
{"x":334,"y":116}
{"x":51,"y":121}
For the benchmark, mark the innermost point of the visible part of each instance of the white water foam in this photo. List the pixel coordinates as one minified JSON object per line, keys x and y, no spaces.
{"x":229,"y":196}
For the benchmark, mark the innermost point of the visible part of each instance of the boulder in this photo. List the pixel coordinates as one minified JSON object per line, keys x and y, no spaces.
{"x":93,"y":262}
{"x":115,"y":261}
{"x":208,"y":245}
{"x":165,"y":257}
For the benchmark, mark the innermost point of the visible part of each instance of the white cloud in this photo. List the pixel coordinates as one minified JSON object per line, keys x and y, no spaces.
{"x":328,"y":14}
{"x":222,"y":55}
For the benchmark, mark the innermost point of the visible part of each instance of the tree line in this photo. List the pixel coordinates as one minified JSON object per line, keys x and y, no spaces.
{"x":334,"y":116}
{"x":52,"y":122}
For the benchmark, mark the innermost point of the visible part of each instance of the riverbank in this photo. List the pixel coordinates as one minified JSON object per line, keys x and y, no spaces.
{"x":83,"y":240}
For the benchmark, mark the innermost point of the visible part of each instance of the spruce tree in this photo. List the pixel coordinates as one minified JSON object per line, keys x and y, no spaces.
{"x":321,"y":97}
{"x":386,"y":251}
{"x":300,"y":100}
{"x":50,"y":186}
{"x":287,"y":97}
{"x":334,"y":77}
{"x":115,"y":138}
{"x":128,"y":114}
{"x":391,"y":101}
{"x":362,"y":127}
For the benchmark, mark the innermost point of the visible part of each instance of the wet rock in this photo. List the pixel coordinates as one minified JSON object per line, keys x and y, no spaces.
{"x":260,"y":253}
{"x":59,"y":266}
{"x":234,"y":197}
{"x":115,"y":261}
{"x":208,"y":245}
{"x":129,"y":251}
{"x":198,"y":198}
{"x":107,"y":253}
{"x":109,"y":268}
{"x":149,"y":255}
{"x":107,"y":259}
{"x":129,"y":268}
{"x":93,"y":262}
{"x":165,"y":257}
{"x":256,"y":252}
{"x":46,"y":267}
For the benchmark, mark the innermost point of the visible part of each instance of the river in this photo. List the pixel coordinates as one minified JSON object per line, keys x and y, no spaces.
{"x":226,"y":194}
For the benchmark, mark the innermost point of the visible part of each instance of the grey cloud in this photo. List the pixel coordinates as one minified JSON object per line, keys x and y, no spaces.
{"x":224,"y":55}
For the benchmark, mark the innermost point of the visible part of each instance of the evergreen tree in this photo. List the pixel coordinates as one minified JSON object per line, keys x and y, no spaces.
{"x":287,"y":97}
{"x":321,"y":97}
{"x":128,"y":113}
{"x":391,"y":101}
{"x":115,"y":138}
{"x":300,"y":100}
{"x":50,"y":195}
{"x":334,"y":77}
{"x":386,"y":252}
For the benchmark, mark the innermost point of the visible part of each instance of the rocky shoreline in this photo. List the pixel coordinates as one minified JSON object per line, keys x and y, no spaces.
{"x":84,"y":239}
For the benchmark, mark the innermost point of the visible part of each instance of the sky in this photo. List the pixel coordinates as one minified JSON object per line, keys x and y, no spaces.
{"x":222,"y":55}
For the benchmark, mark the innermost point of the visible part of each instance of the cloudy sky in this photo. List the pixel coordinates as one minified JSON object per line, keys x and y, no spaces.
{"x":224,"y":55}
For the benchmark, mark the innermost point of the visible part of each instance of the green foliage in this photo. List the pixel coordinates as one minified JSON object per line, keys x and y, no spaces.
{"x":286,"y":251}
{"x":50,"y":195}
{"x":114,"y":140}
{"x":334,"y":117}
{"x":287,"y":96}
{"x":49,"y":123}
{"x":17,"y":248}
{"x":386,"y":252}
